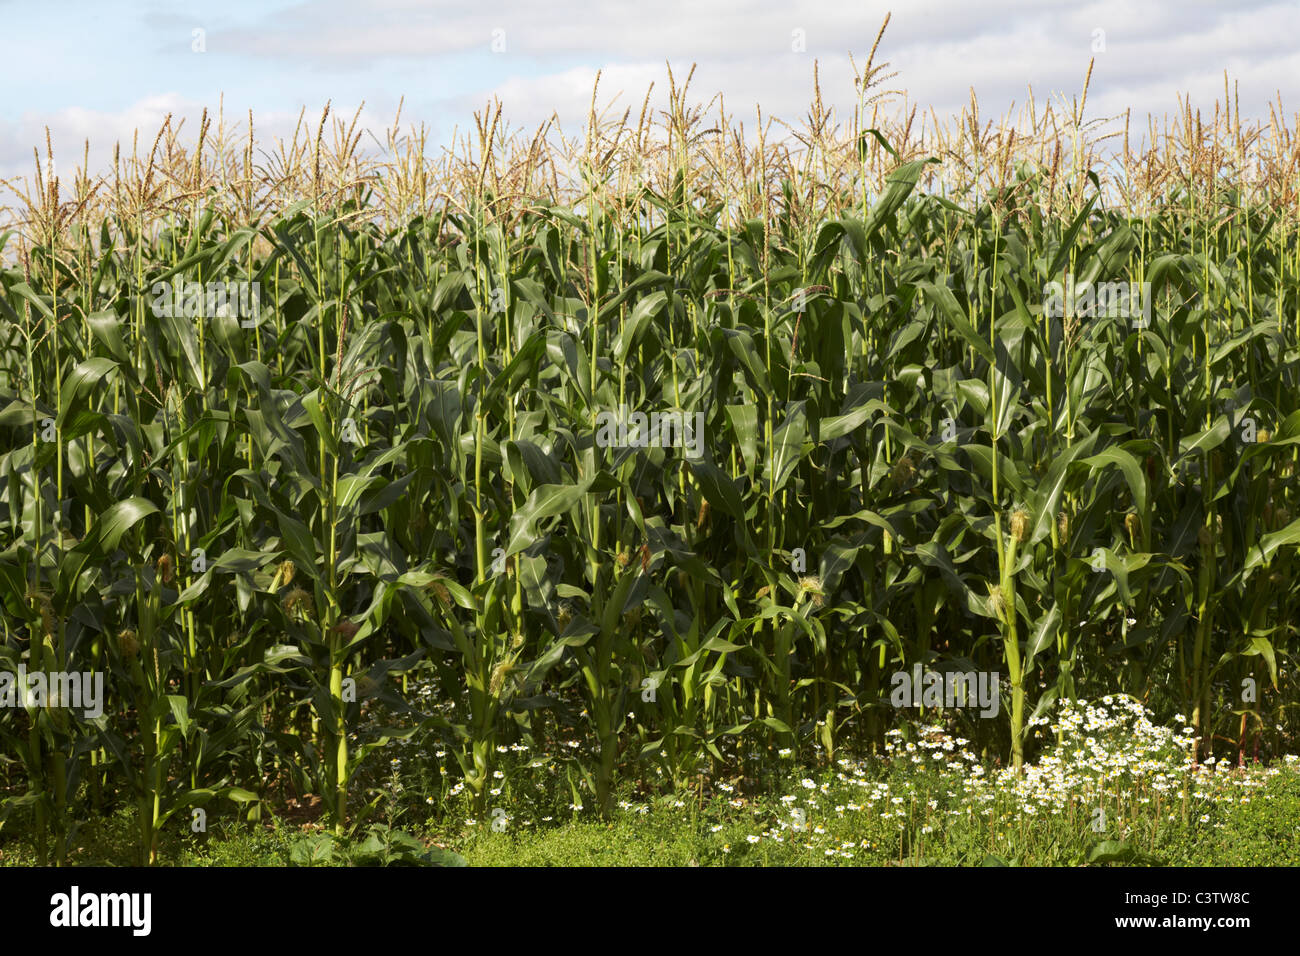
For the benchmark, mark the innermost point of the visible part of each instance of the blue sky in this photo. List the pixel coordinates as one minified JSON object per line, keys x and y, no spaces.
{"x":102,"y":69}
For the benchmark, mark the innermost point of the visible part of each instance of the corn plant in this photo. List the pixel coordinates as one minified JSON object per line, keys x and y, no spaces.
{"x":258,"y":527}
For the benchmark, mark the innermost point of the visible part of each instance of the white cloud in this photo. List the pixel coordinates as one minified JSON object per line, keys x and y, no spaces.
{"x":440,"y":58}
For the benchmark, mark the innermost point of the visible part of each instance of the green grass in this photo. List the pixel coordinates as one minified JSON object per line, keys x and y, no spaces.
{"x":1262,"y":833}
{"x":927,"y":801}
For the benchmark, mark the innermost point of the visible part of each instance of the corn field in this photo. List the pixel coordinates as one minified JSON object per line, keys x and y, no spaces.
{"x":259,"y":516}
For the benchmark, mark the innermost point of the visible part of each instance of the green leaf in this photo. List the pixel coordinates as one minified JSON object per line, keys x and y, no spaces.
{"x":1263,"y":552}
{"x":1044,"y":634}
{"x":1263,"y":647}
{"x":117,"y":519}
{"x":81,"y":381}
{"x":1118,"y":851}
{"x":180,"y":708}
{"x":718,"y":489}
{"x":545,"y":502}
{"x":1132,"y":471}
{"x":297,"y":540}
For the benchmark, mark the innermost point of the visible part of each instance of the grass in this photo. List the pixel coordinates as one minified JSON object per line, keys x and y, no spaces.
{"x":904,"y":808}
{"x":1261,"y":833}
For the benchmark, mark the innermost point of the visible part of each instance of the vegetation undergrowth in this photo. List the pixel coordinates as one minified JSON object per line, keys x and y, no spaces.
{"x":1114,"y":790}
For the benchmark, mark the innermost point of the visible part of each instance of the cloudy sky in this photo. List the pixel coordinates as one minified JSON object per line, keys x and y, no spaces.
{"x":102,"y":68}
